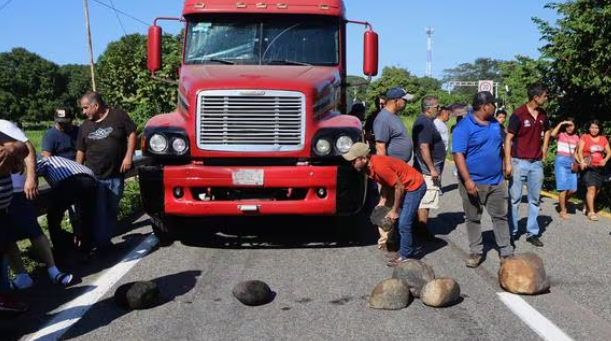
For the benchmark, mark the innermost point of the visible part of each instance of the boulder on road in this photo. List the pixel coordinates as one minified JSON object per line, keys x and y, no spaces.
{"x":390,"y":294}
{"x":253,"y":293}
{"x":137,"y":295}
{"x":416,"y":273}
{"x":523,"y":274}
{"x":378,"y":218}
{"x":440,"y":292}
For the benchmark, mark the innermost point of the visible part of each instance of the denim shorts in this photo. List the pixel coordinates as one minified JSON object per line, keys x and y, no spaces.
{"x":23,"y":218}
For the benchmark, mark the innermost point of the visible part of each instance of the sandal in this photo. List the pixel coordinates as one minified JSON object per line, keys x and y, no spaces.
{"x":593,"y":217}
{"x":63,"y":278}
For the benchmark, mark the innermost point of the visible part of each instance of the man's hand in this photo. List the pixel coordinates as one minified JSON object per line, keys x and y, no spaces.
{"x":434,"y":174}
{"x":31,"y":188}
{"x":471,"y":188}
{"x":544,"y":153}
{"x":508,"y":170}
{"x":603,"y":162}
{"x":393,"y":215}
{"x":127,"y":164}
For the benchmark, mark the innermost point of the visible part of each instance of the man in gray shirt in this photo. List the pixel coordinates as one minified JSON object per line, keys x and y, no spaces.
{"x":392,"y":140}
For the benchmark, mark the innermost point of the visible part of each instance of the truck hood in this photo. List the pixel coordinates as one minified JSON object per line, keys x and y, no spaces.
{"x":297,"y":78}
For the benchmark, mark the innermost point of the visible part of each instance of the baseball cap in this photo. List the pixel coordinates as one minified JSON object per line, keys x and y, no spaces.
{"x":484,"y":97}
{"x":11,"y":130}
{"x":63,"y":115}
{"x":358,"y":149}
{"x":397,"y":93}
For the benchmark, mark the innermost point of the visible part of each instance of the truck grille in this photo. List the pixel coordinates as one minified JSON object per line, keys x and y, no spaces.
{"x":237,"y":120}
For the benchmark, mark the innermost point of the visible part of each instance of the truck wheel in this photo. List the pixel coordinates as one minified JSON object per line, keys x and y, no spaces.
{"x":163,"y":231}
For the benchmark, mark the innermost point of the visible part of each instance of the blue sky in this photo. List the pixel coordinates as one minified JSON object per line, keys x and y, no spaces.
{"x":464,"y":29}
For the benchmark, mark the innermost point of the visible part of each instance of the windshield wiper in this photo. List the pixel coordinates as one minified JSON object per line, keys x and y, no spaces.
{"x":286,"y":62}
{"x":217,"y":60}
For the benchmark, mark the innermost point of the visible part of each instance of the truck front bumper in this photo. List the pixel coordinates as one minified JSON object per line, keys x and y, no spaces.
{"x":197,"y":190}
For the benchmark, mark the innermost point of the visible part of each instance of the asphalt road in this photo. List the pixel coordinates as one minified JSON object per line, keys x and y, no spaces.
{"x":322,"y":285}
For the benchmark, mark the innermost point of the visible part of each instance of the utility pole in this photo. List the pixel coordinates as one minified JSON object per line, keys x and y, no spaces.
{"x":429,"y":52}
{"x":89,"y":44}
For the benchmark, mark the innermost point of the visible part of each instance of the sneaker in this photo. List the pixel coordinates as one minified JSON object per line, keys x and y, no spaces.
{"x":534,"y":240}
{"x":396,"y":261}
{"x":22,"y":282}
{"x":474,"y":260}
{"x":12,"y":307}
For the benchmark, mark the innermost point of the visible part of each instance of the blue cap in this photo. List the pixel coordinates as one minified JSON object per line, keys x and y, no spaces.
{"x":397,"y":93}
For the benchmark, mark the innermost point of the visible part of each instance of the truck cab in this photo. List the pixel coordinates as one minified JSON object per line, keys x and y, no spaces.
{"x":259,"y":127}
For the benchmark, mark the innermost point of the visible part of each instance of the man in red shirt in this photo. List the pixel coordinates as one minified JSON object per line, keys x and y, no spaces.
{"x":395,"y":176}
{"x":524,"y":154}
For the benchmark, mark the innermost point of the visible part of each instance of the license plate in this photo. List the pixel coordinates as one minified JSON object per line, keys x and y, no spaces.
{"x":248,"y":177}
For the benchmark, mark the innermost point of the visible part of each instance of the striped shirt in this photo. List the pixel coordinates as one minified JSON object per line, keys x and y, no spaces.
{"x":56,"y":168}
{"x":6,"y":191}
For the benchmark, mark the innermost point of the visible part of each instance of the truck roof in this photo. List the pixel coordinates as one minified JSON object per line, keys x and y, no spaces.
{"x":319,"y":7}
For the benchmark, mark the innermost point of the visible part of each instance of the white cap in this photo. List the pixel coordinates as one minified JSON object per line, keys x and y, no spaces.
{"x":11,"y":130}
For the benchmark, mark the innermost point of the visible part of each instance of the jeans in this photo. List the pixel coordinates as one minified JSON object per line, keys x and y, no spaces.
{"x":411,"y":202}
{"x":78,"y":189}
{"x":110,"y":192}
{"x":494,"y":199}
{"x":531,"y":173}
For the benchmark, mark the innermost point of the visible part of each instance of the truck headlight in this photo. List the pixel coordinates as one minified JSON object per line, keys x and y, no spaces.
{"x":343,"y":144}
{"x":158,"y":143}
{"x":179,"y":145}
{"x":323,"y":147}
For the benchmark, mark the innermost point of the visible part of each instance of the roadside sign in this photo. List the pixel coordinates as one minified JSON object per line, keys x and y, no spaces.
{"x":486,"y":85}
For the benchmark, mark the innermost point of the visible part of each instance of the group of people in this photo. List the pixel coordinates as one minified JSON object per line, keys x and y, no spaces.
{"x":493,"y":164}
{"x":85,"y":167}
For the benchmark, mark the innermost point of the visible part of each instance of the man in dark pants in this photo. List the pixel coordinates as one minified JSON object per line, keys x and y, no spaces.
{"x":477,"y":147}
{"x":12,"y":153}
{"x":71,"y":183}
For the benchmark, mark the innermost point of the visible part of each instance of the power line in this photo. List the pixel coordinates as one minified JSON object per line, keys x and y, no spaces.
{"x":5,"y":4}
{"x":118,"y":18}
{"x":125,"y":14}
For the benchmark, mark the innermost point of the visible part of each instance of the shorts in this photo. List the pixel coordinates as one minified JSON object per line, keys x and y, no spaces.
{"x":23,"y":218}
{"x":593,"y":177}
{"x":431,"y":197}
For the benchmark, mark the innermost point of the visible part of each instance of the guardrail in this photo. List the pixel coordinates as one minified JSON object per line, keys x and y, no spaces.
{"x":44,"y":189}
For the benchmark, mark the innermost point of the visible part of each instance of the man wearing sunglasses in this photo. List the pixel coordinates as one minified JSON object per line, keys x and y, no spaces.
{"x":430,"y":157}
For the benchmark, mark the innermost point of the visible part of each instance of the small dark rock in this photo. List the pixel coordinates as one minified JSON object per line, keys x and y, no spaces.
{"x":253,"y":293}
{"x":416,"y":273}
{"x":137,"y":295}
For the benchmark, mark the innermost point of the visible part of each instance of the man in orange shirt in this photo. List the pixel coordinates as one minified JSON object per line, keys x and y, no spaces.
{"x":395,"y":176}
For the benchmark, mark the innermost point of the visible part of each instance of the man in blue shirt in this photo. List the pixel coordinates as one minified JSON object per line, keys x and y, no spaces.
{"x":60,"y":140}
{"x":477,"y":143}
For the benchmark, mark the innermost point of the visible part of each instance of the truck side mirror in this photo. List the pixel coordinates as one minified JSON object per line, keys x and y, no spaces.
{"x":370,"y":58}
{"x":154,"y":49}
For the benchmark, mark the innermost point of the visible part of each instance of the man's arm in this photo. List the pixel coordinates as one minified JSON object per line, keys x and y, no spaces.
{"x":546,"y":138}
{"x":80,"y":157}
{"x":461,"y":165}
{"x":507,"y":148}
{"x":129,"y":154}
{"x":425,"y":150}
{"x":10,"y":154}
{"x":399,"y":189}
{"x":31,"y":180}
{"x":380,"y":148}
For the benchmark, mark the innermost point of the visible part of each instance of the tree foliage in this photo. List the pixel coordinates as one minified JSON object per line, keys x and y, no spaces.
{"x":126,"y":83}
{"x":577,"y":50}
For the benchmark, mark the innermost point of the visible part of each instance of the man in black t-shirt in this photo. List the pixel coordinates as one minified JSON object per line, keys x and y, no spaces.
{"x":106,"y":144}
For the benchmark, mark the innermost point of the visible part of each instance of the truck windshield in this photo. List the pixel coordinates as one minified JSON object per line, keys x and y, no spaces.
{"x":255,"y":41}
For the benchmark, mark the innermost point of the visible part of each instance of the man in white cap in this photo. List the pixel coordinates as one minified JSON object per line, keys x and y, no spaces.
{"x":399,"y":179}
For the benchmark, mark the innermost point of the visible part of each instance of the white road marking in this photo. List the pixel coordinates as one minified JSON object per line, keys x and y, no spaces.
{"x":71,"y":312}
{"x":545,"y":328}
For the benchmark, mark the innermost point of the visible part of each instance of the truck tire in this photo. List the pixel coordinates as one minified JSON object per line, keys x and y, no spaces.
{"x":163,"y":230}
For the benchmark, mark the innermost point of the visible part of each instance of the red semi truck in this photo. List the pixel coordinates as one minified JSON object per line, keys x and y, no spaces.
{"x":258,"y":128}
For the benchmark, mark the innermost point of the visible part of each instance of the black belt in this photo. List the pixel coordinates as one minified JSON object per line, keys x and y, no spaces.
{"x":530,"y":160}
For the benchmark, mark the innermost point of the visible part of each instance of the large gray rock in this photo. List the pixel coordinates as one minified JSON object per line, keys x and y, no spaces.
{"x":253,"y":293}
{"x":416,"y":273}
{"x":137,"y":295}
{"x":523,"y":274}
{"x":440,"y":292}
{"x":378,"y":218}
{"x":390,"y":294}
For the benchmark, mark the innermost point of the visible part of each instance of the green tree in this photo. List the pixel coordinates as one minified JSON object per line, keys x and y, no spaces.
{"x":577,"y":49}
{"x":517,"y":75}
{"x":393,"y":76}
{"x":125,"y":81}
{"x":481,"y":69}
{"x":29,"y":86}
{"x":77,"y":81}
